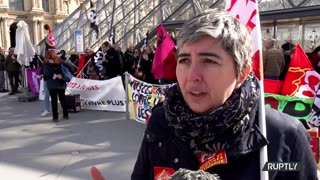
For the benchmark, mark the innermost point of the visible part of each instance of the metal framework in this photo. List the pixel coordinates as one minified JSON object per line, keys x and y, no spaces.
{"x":131,"y":19}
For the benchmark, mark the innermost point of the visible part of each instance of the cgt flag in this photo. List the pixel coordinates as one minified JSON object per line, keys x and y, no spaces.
{"x":93,"y":18}
{"x":246,"y":11}
{"x":301,"y":79}
{"x":51,"y":41}
{"x":164,"y":46}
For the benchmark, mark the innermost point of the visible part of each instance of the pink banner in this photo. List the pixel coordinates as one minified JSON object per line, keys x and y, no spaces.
{"x":33,"y":77}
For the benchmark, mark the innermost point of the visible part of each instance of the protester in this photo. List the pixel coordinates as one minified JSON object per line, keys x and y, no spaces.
{"x":130,"y":60}
{"x":55,"y":83}
{"x":288,"y":49}
{"x":145,"y":65}
{"x":273,"y":60}
{"x":13,"y":69}
{"x":214,"y":109}
{"x":314,"y":58}
{"x":46,"y":100}
{"x":2,"y":71}
{"x":111,"y":61}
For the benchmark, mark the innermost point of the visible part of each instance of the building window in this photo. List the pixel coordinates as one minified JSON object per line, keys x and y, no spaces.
{"x":45,"y":5}
{"x":16,"y":5}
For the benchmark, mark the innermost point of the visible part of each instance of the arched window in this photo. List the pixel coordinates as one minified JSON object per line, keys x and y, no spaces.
{"x":16,"y":5}
{"x":45,"y":5}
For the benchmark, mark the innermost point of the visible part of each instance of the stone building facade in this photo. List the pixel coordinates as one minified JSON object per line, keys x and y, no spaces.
{"x":36,"y":13}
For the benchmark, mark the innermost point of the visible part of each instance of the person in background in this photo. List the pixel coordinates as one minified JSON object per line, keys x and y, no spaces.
{"x":314,"y":58}
{"x":111,"y":61}
{"x":122,"y":57}
{"x":52,"y":72}
{"x":146,"y":65}
{"x":273,"y":60}
{"x":2,"y":71}
{"x":288,"y":49}
{"x":46,"y":100}
{"x":13,"y":69}
{"x":130,"y":60}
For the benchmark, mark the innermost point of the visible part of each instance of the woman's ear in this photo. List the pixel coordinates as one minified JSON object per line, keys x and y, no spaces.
{"x":243,"y":75}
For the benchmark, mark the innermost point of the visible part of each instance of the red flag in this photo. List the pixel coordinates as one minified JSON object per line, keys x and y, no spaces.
{"x":50,"y":36}
{"x":301,"y":79}
{"x":81,"y":63}
{"x":272,"y":86}
{"x":247,"y":12}
{"x":164,"y":46}
{"x":51,"y":39}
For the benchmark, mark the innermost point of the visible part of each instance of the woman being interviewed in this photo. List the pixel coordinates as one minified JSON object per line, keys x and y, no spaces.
{"x":56,"y":85}
{"x":213,"y":111}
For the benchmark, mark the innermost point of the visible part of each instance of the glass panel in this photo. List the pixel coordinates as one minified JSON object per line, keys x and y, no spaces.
{"x":267,"y":32}
{"x":287,"y":32}
{"x":311,"y":37}
{"x":269,"y":5}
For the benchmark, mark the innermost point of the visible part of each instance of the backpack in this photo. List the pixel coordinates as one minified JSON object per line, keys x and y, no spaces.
{"x":66,"y":74}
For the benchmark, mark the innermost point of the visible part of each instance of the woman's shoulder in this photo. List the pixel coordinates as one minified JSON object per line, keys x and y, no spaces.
{"x":281,"y":126}
{"x":158,"y":124}
{"x":281,"y":121}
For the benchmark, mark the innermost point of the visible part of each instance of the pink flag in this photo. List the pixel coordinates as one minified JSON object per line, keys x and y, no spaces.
{"x":246,"y":11}
{"x":164,"y":46}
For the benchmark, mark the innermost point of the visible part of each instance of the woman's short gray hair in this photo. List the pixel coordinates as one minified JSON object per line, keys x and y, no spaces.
{"x":233,"y":35}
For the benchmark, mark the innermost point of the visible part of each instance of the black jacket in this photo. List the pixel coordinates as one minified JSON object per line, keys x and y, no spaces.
{"x":287,"y":140}
{"x":113,"y":64}
{"x":2,"y":62}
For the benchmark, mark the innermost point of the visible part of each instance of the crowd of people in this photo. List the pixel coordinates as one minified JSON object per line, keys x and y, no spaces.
{"x":276,"y":60}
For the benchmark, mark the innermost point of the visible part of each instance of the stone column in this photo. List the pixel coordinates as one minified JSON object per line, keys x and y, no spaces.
{"x":6,"y":42}
{"x":41,"y":29}
{"x":61,"y":6}
{"x":4,"y":4}
{"x":1,"y":31}
{"x":35,"y":31}
{"x":33,"y":3}
{"x":40,"y":4}
{"x":57,"y":4}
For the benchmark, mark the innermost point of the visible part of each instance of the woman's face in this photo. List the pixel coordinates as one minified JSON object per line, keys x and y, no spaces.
{"x":136,"y":53}
{"x":206,"y":74}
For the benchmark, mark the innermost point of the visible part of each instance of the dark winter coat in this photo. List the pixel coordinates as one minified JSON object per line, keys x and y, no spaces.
{"x":48,"y":70}
{"x":2,"y":62}
{"x":12,"y":65}
{"x":287,"y":140}
{"x":113,"y":64}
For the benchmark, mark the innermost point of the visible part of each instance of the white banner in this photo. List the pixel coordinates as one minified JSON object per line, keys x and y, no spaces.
{"x":107,"y":95}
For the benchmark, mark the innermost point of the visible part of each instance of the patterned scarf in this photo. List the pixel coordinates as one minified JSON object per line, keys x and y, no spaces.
{"x":217,"y":130}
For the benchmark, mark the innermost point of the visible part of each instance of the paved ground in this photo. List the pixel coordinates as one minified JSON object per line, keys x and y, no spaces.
{"x":33,"y":147}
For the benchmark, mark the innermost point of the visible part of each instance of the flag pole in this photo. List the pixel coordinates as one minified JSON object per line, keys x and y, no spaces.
{"x":264,"y":175}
